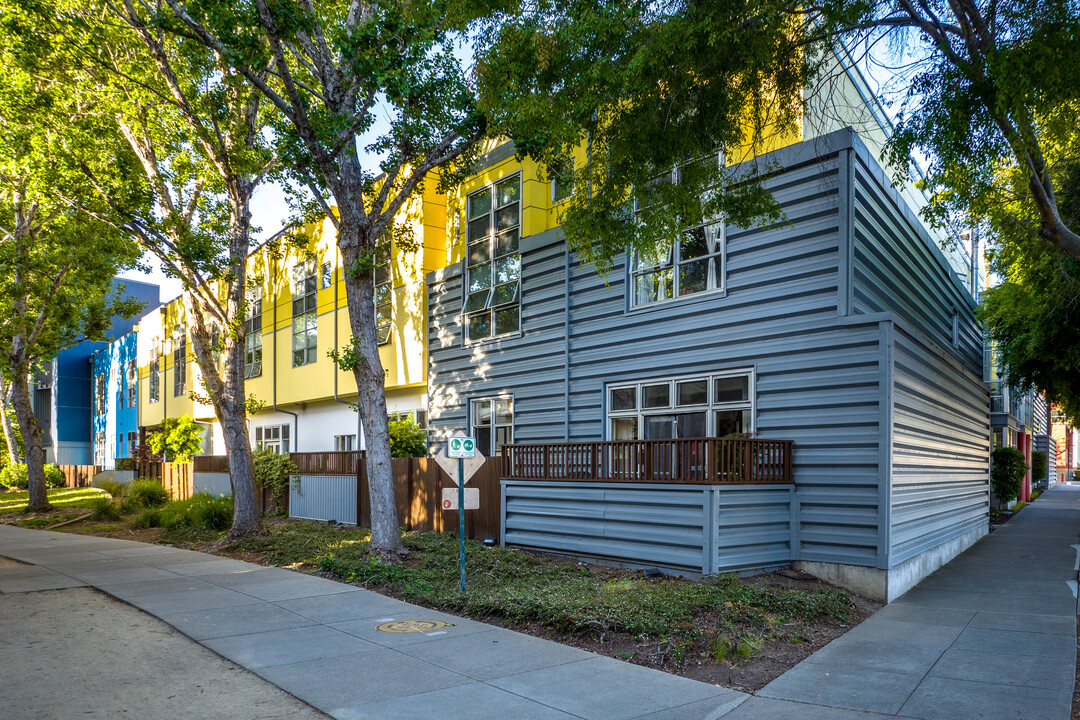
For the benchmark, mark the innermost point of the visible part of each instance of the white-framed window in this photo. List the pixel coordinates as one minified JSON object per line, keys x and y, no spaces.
{"x":179,"y":361}
{"x":132,"y":383}
{"x":384,"y":294}
{"x":708,"y":405}
{"x":273,"y":437}
{"x":253,"y":320}
{"x":326,"y":275}
{"x":344,"y":442}
{"x":99,"y":392}
{"x":561,"y":176}
{"x":492,"y":423}
{"x":305,"y":302}
{"x":493,"y":275}
{"x":99,"y":449}
{"x":693,"y":264}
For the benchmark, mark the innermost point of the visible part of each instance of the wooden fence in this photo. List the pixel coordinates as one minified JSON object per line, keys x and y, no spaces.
{"x":699,"y":461}
{"x":177,"y":478}
{"x":77,"y":476}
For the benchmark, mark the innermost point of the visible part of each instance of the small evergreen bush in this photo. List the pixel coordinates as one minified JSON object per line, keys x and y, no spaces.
{"x":15,"y":477}
{"x":145,"y":494}
{"x":1038,"y":466}
{"x":103,"y":509}
{"x":1007,"y":470}
{"x":407,"y":439}
{"x":200,"y":511}
{"x":114,"y":488}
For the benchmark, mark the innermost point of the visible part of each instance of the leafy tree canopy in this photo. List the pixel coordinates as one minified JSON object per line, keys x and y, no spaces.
{"x":177,"y":439}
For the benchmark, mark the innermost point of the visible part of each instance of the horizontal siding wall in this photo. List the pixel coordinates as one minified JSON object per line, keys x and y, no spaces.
{"x":324,"y":497}
{"x":940,"y":448}
{"x":213,"y":483}
{"x":530,"y":367}
{"x":753,"y":527}
{"x":663,"y":525}
{"x":896,"y":267}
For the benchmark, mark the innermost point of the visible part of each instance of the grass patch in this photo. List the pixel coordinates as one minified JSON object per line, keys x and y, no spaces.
{"x":563,"y":596}
{"x":13,"y":502}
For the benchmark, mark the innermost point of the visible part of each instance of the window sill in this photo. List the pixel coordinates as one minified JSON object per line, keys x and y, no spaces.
{"x":685,"y":300}
{"x":491,"y":340}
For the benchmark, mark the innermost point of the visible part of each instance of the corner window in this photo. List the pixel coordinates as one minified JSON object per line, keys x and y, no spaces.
{"x":179,"y":361}
{"x":132,"y":383}
{"x":383,"y":291}
{"x":492,"y":422}
{"x":714,"y":405}
{"x":493,"y":275}
{"x":273,"y":437}
{"x":253,"y":333}
{"x":305,"y":300}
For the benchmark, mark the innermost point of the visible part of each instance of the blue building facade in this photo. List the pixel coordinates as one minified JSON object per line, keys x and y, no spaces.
{"x":64,"y":391}
{"x":116,"y":400}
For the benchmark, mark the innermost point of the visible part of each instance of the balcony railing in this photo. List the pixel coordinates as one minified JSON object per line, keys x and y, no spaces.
{"x":703,"y":461}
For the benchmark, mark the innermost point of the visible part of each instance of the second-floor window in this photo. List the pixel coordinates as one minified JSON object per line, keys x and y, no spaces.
{"x":693,"y":264}
{"x":383,"y":292}
{"x":179,"y":361}
{"x":305,"y":303}
{"x":253,"y":333}
{"x":99,"y":393}
{"x":493,"y":274}
{"x":154,"y":390}
{"x":132,"y":383}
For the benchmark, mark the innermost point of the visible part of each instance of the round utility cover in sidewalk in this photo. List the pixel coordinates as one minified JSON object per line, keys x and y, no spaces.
{"x":411,"y":626}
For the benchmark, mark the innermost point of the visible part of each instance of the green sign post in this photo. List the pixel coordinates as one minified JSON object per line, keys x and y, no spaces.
{"x":461,"y":448}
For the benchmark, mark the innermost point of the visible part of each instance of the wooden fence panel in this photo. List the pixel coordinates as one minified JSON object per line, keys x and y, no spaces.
{"x":178,"y":479}
{"x":77,"y":476}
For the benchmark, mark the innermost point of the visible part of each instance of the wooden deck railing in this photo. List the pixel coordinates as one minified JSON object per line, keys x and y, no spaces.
{"x":697,"y":460}
{"x":327,"y":463}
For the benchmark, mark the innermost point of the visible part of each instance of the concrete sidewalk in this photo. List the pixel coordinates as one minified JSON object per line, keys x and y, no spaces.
{"x":317,"y":639}
{"x":990,"y":635}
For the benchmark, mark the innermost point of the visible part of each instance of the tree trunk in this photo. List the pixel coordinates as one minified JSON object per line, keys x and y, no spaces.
{"x":233,"y":418}
{"x":5,"y":422}
{"x":370,"y":384}
{"x":35,"y":454}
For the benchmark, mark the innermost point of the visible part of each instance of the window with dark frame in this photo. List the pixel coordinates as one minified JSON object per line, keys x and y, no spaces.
{"x":99,"y":393}
{"x":714,"y":405}
{"x":179,"y":361}
{"x":492,"y":421}
{"x":493,"y":276}
{"x":253,"y":323}
{"x":326,"y":273}
{"x":154,"y":391}
{"x":344,"y":443}
{"x":133,"y":443}
{"x":561,"y":176}
{"x":305,"y":301}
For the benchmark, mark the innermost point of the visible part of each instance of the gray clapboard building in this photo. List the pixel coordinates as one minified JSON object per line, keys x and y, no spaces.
{"x":843,"y":330}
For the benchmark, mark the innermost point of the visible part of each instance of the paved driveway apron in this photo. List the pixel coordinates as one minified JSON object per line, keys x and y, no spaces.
{"x":990,"y":635}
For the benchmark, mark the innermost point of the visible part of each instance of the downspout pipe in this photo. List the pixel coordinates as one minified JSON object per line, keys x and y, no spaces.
{"x":273,"y":371}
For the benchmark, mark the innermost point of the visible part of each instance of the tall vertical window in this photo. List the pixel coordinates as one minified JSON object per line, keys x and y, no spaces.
{"x":305,"y":319}
{"x":133,"y":443}
{"x":132,"y":383}
{"x":493,"y":278}
{"x":154,"y":391}
{"x":493,"y":423}
{"x":326,"y":274}
{"x":215,"y":342}
{"x":179,"y":361}
{"x":562,"y":181}
{"x":693,"y":407}
{"x":383,"y":291}
{"x":273,"y":437}
{"x":99,"y":449}
{"x":253,"y":333}
{"x":99,"y":393}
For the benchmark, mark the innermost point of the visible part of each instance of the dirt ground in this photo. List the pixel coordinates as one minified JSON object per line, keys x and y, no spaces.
{"x":79,"y":653}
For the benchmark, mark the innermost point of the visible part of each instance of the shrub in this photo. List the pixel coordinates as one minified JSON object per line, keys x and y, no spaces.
{"x":125,"y":463}
{"x":1007,"y":470}
{"x":146,"y":494}
{"x":178,"y":439}
{"x":407,"y":439}
{"x":148,"y":518}
{"x":274,"y":470}
{"x":1038,"y":466}
{"x":103,"y":508}
{"x":15,"y":477}
{"x":114,"y":488}
{"x":200,"y":511}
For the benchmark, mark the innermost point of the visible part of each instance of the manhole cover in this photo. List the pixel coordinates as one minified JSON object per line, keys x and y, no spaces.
{"x":411,"y":626}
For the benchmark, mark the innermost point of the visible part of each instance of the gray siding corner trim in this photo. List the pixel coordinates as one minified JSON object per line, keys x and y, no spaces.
{"x":688,"y":528}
